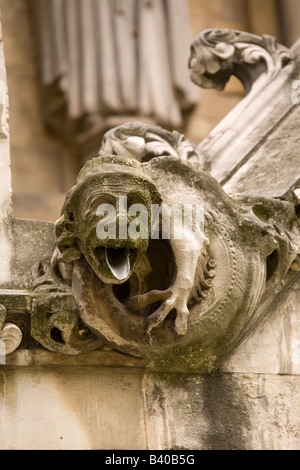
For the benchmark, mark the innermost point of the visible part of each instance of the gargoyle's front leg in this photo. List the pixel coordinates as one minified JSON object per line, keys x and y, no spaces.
{"x":172,"y":300}
{"x":187,"y":251}
{"x":182,"y":313}
{"x":178,"y":294}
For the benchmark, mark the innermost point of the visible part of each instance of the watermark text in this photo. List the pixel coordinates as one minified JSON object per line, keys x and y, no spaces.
{"x":177,"y":221}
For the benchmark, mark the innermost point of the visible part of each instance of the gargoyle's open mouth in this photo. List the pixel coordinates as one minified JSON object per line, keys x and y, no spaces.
{"x":118,"y":261}
{"x":114,"y":265}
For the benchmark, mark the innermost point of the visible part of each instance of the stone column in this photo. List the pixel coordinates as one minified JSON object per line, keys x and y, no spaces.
{"x":5,"y":175}
{"x":289,"y":15}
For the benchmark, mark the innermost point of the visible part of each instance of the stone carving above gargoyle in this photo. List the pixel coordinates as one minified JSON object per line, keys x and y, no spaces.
{"x":143,"y":142}
{"x":183,"y":301}
{"x":266,"y":70}
{"x":216,"y":54}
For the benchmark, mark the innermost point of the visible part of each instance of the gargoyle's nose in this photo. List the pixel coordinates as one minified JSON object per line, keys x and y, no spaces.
{"x":118,"y":262}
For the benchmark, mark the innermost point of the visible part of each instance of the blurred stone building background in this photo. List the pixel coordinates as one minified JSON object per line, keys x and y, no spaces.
{"x":54,"y":46}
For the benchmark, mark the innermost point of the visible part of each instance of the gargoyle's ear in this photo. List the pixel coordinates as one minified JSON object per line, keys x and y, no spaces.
{"x":66,"y":238}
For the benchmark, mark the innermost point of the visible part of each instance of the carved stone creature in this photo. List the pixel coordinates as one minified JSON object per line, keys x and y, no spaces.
{"x":216,"y":54}
{"x":103,"y":181}
{"x":266,"y":69}
{"x":189,"y":300}
{"x":182,"y":302}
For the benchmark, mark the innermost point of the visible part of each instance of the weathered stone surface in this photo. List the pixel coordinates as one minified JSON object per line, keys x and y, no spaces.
{"x":33,"y":241}
{"x":274,"y":347}
{"x":10,"y":334}
{"x":273,"y":160}
{"x":228,"y":411}
{"x":101,"y":59}
{"x":57,"y":409}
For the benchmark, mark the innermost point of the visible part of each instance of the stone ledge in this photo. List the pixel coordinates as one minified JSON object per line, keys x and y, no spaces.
{"x":31,"y":358}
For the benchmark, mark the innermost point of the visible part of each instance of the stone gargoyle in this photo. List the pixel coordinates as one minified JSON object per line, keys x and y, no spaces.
{"x":181,"y":302}
{"x":189,"y":299}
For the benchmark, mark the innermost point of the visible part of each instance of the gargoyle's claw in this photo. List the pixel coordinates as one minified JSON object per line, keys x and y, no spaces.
{"x":138,"y":302}
{"x":181,"y":322}
{"x":157,"y":317}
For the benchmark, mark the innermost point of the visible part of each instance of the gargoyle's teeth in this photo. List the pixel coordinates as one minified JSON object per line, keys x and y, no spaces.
{"x":118,"y":262}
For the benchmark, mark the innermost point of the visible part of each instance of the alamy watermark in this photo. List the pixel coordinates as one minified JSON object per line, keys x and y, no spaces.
{"x":296,"y":92}
{"x":176,"y":221}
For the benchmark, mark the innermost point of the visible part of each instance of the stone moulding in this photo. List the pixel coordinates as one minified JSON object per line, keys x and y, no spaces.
{"x":10,"y":335}
{"x":175,"y":304}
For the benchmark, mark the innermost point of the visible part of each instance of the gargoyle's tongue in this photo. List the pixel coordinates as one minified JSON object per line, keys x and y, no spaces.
{"x":118,"y":262}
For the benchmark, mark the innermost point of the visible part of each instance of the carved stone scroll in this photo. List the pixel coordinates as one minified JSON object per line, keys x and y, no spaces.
{"x":216,"y":54}
{"x":266,"y":70}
